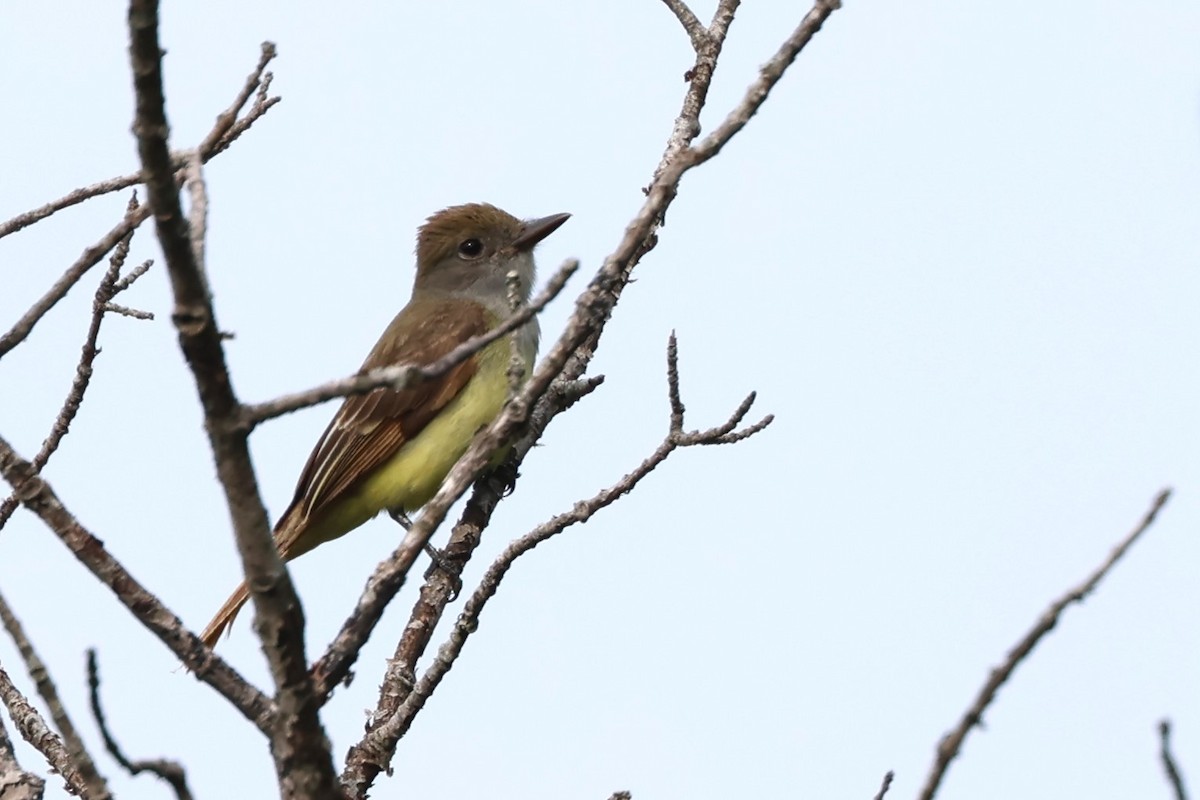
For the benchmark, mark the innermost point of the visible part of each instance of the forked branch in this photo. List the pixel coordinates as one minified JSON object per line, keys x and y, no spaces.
{"x":112,"y":284}
{"x":387,"y":729}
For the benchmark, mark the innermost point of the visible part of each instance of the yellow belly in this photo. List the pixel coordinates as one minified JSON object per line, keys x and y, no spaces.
{"x":412,"y":477}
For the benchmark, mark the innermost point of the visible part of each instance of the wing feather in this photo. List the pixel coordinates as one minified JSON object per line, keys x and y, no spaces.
{"x":370,"y":428}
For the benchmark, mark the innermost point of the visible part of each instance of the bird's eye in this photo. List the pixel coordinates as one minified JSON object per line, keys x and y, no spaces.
{"x":471,"y":248}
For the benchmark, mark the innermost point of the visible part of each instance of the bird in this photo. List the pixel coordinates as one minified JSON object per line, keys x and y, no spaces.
{"x":389,"y":450}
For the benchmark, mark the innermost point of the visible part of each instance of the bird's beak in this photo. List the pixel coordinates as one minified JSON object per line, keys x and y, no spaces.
{"x":534,"y":230}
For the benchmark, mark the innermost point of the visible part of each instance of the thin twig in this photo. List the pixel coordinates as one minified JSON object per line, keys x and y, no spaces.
{"x":109,"y":287}
{"x":218,"y":139}
{"x":1174,"y":776}
{"x":91,"y":257}
{"x":378,"y":745}
{"x":170,"y":771}
{"x":97,"y":787}
{"x":259,"y":80}
{"x":126,"y":311}
{"x":128,"y":279}
{"x":404,"y":377}
{"x":951,"y":744}
{"x":299,"y":746}
{"x":66,"y":201}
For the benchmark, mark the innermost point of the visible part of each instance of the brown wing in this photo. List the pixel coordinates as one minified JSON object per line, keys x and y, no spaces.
{"x":368,"y":429}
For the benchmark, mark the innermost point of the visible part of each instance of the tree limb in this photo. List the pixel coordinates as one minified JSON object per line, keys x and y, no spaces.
{"x":35,"y":731}
{"x":303,"y":763}
{"x":16,"y":783}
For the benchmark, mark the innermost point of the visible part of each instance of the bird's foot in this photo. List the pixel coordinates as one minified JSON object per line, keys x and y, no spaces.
{"x":439,"y":562}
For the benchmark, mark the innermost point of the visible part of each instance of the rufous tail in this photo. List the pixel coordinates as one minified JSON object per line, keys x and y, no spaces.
{"x":288,"y":533}
{"x":225,"y":616}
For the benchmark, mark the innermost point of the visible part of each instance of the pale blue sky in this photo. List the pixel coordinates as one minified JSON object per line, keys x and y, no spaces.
{"x":956,"y":255}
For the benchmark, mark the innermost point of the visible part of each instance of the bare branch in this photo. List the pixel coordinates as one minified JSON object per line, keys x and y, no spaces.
{"x":951,"y":744}
{"x":126,"y":311}
{"x":687,"y":125}
{"x":303,"y":762}
{"x":16,"y":783}
{"x":109,"y":287}
{"x":404,"y":377}
{"x":170,"y":771}
{"x":769,"y":75}
{"x":135,"y":273}
{"x":37,"y":496}
{"x":386,"y":729}
{"x":216,"y":142}
{"x":90,"y":257}
{"x":76,"y":751}
{"x":227,"y":129}
{"x":1169,"y":766}
{"x":72,"y":198}
{"x":35,"y":731}
{"x":443,"y":583}
{"x":725,"y":433}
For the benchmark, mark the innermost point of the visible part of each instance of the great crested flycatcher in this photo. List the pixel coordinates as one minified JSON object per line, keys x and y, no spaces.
{"x":388,"y":449}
